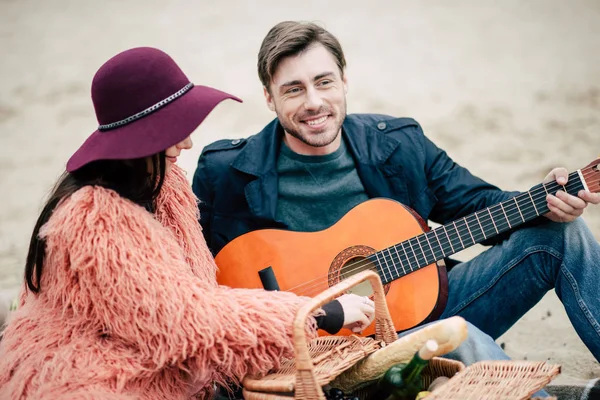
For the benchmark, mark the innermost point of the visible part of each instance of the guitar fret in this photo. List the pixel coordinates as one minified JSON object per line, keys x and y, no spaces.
{"x":388,"y":264}
{"x":505,"y":216}
{"x":459,"y":238}
{"x":417,"y":253}
{"x":400,"y":258}
{"x":380,"y":264}
{"x":414,"y":253}
{"x":544,"y":186}
{"x":469,"y":229}
{"x":493,"y":222}
{"x":429,"y":243}
{"x":473,"y":226}
{"x":480,"y":226}
{"x":421,"y":247}
{"x":440,"y":243}
{"x":392,"y":260}
{"x":533,"y":202}
{"x":406,"y":254}
{"x":376,"y":262}
{"x":519,"y":208}
{"x":449,"y":241}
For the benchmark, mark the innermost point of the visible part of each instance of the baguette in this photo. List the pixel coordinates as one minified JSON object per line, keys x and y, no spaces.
{"x":449,"y":334}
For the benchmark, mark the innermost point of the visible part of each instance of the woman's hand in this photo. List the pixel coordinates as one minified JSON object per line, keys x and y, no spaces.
{"x":359,"y":311}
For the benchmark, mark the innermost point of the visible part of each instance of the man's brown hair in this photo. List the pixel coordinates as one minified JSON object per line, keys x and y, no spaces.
{"x":290,"y":38}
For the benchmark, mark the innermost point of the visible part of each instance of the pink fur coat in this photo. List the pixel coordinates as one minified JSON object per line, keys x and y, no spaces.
{"x":129,"y":307}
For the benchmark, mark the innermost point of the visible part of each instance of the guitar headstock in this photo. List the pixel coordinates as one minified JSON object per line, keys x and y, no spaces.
{"x":591,"y":175}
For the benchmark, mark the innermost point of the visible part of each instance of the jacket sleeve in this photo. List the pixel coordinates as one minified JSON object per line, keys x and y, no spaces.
{"x":127,"y":275}
{"x":203,"y":190}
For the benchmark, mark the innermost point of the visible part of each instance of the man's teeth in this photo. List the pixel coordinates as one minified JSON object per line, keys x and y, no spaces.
{"x":317,"y":121}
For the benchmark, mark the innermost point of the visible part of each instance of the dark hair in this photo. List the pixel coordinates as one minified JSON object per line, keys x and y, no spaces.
{"x":289,"y":38}
{"x":129,"y":178}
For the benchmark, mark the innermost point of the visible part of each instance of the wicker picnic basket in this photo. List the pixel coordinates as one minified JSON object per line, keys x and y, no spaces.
{"x":493,"y":380}
{"x":321,"y":360}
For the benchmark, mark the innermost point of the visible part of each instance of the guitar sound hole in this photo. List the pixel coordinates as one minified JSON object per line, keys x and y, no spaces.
{"x":353,"y":267}
{"x":351,"y":261}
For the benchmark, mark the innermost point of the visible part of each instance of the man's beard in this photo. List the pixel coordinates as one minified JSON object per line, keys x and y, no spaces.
{"x":318,"y":139}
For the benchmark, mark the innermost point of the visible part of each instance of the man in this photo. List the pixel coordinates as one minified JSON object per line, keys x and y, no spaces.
{"x":313,"y":163}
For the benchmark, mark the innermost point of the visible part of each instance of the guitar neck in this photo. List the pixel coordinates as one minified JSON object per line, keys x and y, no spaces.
{"x":403,"y":258}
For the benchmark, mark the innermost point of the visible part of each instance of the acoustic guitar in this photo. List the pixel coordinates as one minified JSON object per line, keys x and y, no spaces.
{"x":389,"y":238}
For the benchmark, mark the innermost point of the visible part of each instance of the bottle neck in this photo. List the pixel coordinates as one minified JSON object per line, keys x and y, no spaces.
{"x":412,"y":371}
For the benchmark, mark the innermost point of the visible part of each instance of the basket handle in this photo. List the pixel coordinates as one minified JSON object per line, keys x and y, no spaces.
{"x":384,"y":326}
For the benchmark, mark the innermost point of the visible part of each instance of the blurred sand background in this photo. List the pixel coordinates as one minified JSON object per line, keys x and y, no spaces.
{"x":510,"y":89}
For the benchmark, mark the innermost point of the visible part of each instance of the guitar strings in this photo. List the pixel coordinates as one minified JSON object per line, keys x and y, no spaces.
{"x":384,"y":260}
{"x":366,"y":262}
{"x":540,"y":189}
{"x":511,"y":211}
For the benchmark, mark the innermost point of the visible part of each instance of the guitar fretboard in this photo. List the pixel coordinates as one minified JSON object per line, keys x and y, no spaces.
{"x":422,"y":250}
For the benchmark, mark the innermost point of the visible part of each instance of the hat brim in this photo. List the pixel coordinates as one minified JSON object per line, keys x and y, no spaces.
{"x":152,"y":133}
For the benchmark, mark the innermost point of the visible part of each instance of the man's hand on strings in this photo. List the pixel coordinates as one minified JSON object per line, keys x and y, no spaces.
{"x":563,"y":206}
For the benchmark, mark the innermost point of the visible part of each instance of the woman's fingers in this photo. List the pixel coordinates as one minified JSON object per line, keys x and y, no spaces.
{"x":359,"y":311}
{"x":361,"y":324}
{"x":369,"y":310}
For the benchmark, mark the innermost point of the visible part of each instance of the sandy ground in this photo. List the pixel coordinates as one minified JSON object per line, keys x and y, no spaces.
{"x":510,"y":89}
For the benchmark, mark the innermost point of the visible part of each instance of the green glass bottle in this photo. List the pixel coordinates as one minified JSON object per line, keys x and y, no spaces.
{"x":403,"y":381}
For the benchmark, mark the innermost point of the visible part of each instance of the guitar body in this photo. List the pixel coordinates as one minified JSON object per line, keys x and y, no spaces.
{"x":308,"y":263}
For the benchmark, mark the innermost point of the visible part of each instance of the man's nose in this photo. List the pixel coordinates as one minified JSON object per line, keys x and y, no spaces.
{"x":313,"y":99}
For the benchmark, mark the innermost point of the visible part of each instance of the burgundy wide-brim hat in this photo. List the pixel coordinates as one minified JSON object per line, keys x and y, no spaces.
{"x":144,"y":104}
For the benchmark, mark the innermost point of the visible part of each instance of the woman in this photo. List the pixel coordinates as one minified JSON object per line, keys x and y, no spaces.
{"x":120,"y":298}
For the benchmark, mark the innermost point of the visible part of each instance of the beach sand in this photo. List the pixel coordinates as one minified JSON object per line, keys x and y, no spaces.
{"x":510,"y":89}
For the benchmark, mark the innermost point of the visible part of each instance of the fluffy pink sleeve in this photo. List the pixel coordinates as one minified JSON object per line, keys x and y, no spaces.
{"x":124,"y":272}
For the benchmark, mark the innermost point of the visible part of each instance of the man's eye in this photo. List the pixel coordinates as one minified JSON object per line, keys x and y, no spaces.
{"x":293,"y":90}
{"x":325,"y":82}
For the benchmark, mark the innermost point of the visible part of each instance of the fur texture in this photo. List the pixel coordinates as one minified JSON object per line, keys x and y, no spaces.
{"x":130,"y":308}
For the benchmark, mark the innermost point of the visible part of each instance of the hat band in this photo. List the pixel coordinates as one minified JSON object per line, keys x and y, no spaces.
{"x":148,"y":110}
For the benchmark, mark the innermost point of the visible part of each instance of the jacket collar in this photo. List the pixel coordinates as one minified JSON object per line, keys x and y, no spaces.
{"x":370,"y":149}
{"x":263,"y":146}
{"x":258,"y":158}
{"x":368,"y":146}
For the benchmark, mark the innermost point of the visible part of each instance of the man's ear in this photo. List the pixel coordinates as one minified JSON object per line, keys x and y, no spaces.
{"x":269,"y":99}
{"x":345,"y":81}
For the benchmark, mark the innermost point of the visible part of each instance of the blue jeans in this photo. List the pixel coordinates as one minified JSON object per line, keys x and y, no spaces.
{"x":495,"y":289}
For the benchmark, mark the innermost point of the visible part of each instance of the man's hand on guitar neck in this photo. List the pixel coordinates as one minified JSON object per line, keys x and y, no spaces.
{"x":359,"y":312}
{"x":565,"y":207}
